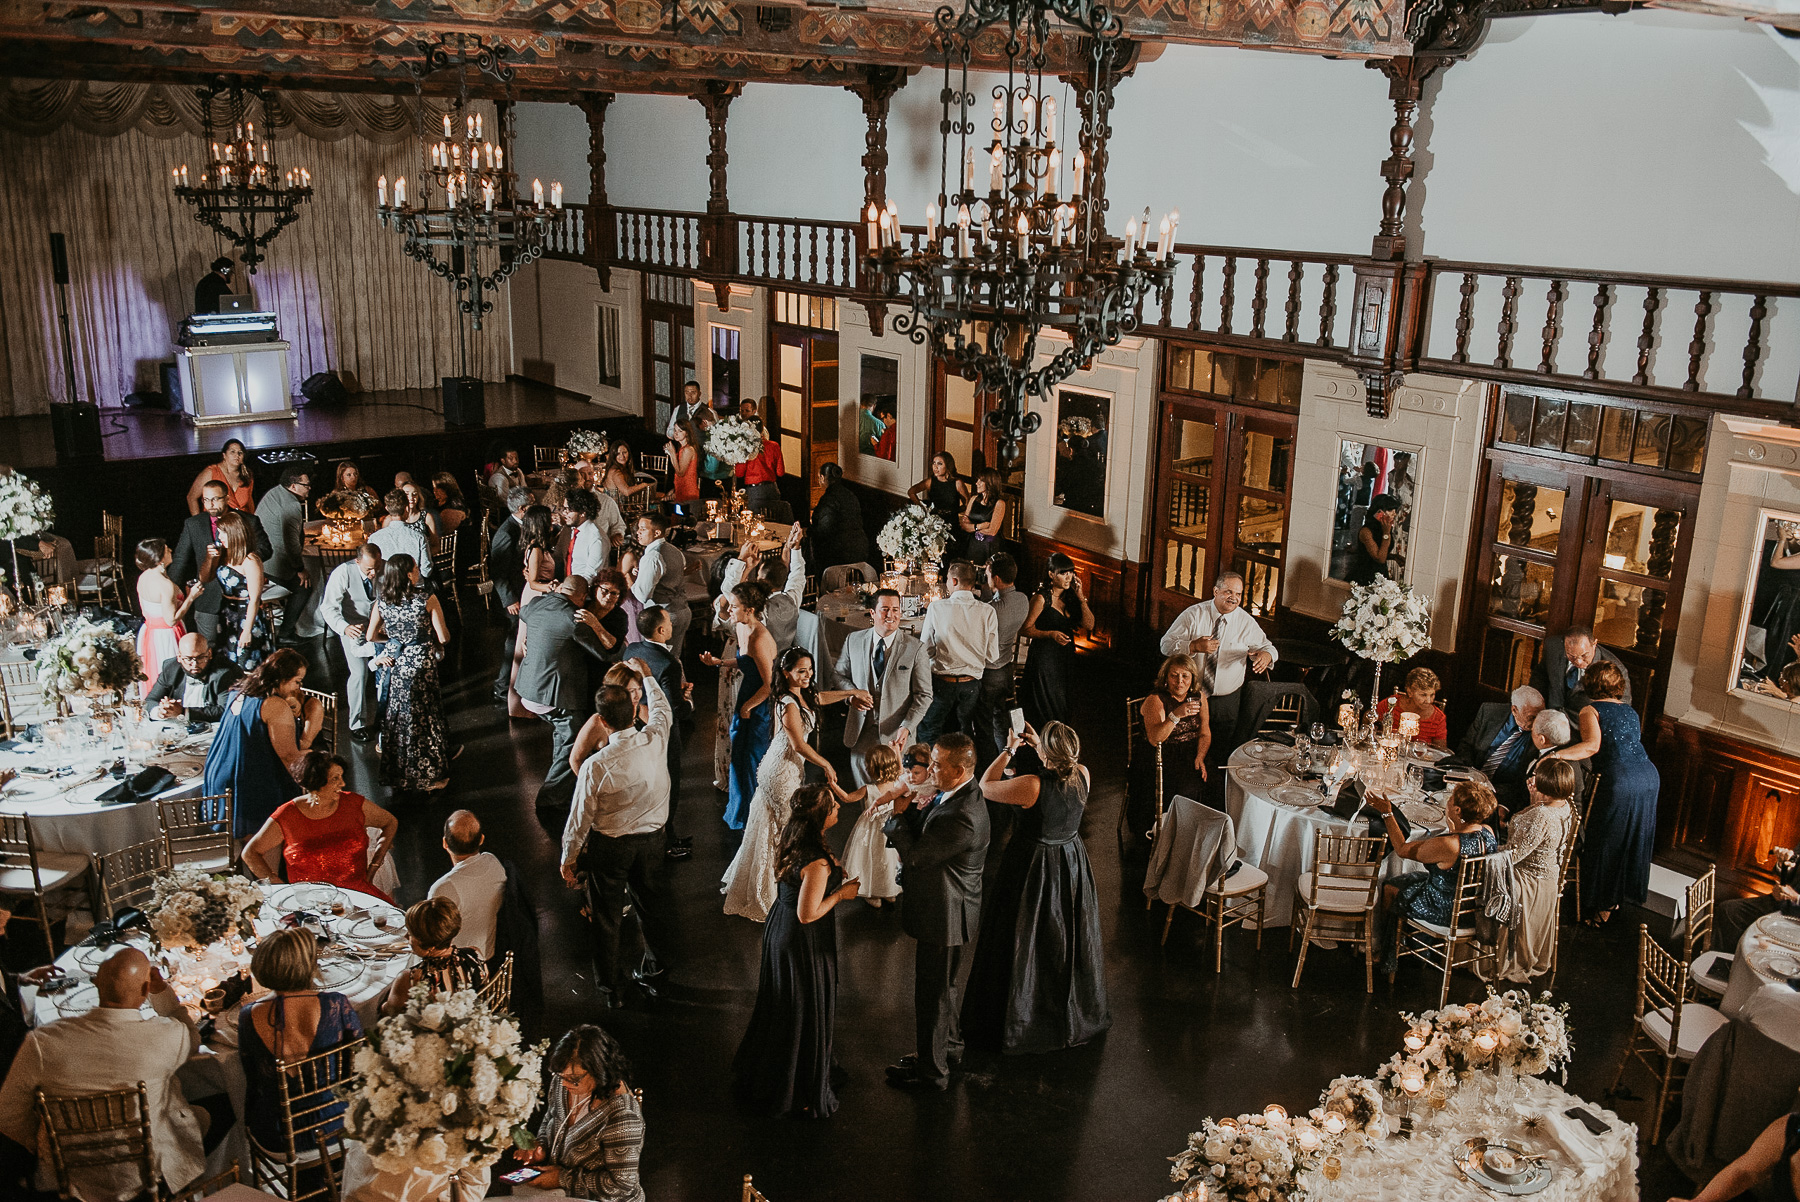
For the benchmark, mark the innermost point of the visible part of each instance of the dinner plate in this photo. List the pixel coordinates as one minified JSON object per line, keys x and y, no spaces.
{"x":1775,"y":962}
{"x":336,"y":974}
{"x":1302,"y":796}
{"x":308,"y":895}
{"x":1782,"y":929}
{"x":1267,"y":752}
{"x":363,"y":929}
{"x":1429,"y":755}
{"x":89,"y":958}
{"x":1262,"y":777}
{"x":1422,"y":811}
{"x":76,"y":999}
{"x":1534,"y":1178}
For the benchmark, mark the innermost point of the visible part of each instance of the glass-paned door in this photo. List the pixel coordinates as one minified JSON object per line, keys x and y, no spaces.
{"x":805,"y":417}
{"x":1193,"y":439}
{"x":668,"y":359}
{"x":1257,"y":504}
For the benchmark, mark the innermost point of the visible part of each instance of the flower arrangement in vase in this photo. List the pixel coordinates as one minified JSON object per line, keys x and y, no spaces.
{"x":1252,"y":1158}
{"x":25,"y":511}
{"x":915,"y":533}
{"x":734,"y":440}
{"x":585,"y":444}
{"x":1383,"y":622}
{"x":88,"y":658}
{"x":190,"y":908}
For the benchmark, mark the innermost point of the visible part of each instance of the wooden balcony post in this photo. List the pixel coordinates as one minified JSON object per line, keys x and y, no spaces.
{"x":718,"y":229}
{"x":602,"y":244}
{"x":876,"y":88}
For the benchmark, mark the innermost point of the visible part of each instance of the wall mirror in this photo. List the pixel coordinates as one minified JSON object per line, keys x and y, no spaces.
{"x":1372,"y":520}
{"x":1081,"y":438}
{"x":1771,"y":616}
{"x":725,"y":367}
{"x":878,"y":402}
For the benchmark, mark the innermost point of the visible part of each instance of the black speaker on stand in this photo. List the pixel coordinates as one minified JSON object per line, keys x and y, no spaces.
{"x":464,"y":402}
{"x":74,"y":426}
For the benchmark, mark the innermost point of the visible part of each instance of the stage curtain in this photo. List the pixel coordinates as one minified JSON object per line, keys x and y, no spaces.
{"x":43,"y":106}
{"x":347,"y":296}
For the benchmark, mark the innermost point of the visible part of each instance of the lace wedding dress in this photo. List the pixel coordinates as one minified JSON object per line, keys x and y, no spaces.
{"x":749,"y":883}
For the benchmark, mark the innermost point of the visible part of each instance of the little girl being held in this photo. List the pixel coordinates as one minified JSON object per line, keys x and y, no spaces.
{"x":867,"y":856}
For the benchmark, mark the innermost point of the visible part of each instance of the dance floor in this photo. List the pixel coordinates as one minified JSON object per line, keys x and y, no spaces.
{"x":1095,"y":1123}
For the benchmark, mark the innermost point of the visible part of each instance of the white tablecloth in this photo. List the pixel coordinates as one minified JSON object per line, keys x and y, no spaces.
{"x":1279,"y":838}
{"x":65,"y":812}
{"x":1758,"y":991}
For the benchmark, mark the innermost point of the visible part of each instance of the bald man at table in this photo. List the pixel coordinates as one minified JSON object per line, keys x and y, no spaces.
{"x":192,"y":682}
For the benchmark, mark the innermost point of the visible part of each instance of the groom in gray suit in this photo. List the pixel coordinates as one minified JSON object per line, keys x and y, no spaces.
{"x":942,"y":844}
{"x":892,"y":667}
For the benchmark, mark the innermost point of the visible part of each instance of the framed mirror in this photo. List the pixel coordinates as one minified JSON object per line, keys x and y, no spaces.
{"x":877,"y":403}
{"x":1372,"y":518}
{"x":1081,"y":446}
{"x":1766,"y":660}
{"x":725,"y":368}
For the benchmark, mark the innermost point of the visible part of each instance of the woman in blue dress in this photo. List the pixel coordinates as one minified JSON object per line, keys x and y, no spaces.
{"x":1620,"y":832}
{"x":294,"y":1020}
{"x":245,"y":629}
{"x":753,"y":717}
{"x":264,"y":729}
{"x":1430,"y":895}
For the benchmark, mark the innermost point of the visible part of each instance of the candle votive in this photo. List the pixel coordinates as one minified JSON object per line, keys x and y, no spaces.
{"x":1275,"y":1114}
{"x":1307,"y":1138}
{"x":1413,"y":1041}
{"x":1409,"y":725}
{"x":1487,"y":1041}
{"x":1332,"y":1168}
{"x":1412,"y":1085}
{"x":1346,"y":716}
{"x":1333,"y":1124}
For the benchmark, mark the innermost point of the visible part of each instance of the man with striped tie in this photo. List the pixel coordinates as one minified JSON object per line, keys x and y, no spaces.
{"x":1499,"y":743}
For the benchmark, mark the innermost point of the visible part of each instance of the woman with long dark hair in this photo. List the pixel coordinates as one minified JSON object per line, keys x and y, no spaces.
{"x":1375,"y":541}
{"x":415,"y":751}
{"x":1059,"y":611}
{"x":784,"y":1061}
{"x":262,"y":733}
{"x":232,"y":472}
{"x":983,"y":517}
{"x":244,"y":626}
{"x":684,"y":463}
{"x":943,"y":492}
{"x":621,"y":482}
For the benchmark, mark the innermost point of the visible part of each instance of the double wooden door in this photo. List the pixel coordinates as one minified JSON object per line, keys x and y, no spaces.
{"x":668,"y":359}
{"x":804,"y":417}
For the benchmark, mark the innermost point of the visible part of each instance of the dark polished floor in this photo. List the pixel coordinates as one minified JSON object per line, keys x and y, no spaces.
{"x":1093,"y":1123}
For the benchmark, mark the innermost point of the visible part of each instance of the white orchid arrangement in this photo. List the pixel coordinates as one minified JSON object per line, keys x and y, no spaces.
{"x":914,"y":533}
{"x":1252,"y":1158}
{"x":88,"y":657}
{"x":190,"y":908}
{"x":25,"y":509}
{"x":1384,"y":621}
{"x":446,"y":1084}
{"x":585,"y":442}
{"x":1504,"y":1032}
{"x":734,"y":440}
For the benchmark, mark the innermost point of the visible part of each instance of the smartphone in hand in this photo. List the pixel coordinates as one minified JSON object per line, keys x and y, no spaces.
{"x":1018,"y":721}
{"x":522,"y":1176}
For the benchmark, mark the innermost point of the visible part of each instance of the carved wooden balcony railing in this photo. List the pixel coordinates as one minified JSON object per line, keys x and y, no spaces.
{"x":1268,"y":299}
{"x":821,"y":256}
{"x":658,"y":239}
{"x":1725,"y":344}
{"x":570,"y":242}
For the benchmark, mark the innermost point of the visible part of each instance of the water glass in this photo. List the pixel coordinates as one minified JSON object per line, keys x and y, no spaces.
{"x":1318,"y":732}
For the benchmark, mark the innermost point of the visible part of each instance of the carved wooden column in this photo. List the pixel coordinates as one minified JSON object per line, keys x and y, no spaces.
{"x":718,"y":229}
{"x":601,"y":241}
{"x":876,"y":89}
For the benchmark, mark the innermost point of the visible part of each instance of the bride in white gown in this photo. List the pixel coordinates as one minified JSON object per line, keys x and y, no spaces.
{"x":749,"y":883}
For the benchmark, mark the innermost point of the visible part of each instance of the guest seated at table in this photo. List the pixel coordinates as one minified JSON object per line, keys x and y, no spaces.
{"x":397,"y":536}
{"x":194,"y":682}
{"x":452,"y":509}
{"x":244,"y":623}
{"x":257,"y":740}
{"x":231,"y":472}
{"x":1419,"y":698}
{"x":1773,"y":1160}
{"x":291,"y":1022}
{"x":348,"y":478}
{"x":837,"y":526}
{"x":114,"y":1046}
{"x":507,"y":474}
{"x":163,"y":605}
{"x":1731,"y":918}
{"x":1429,"y":895}
{"x":476,"y":882}
{"x":621,"y":482}
{"x":1536,"y":838}
{"x":1174,"y":719}
{"x":420,"y":515}
{"x":323,"y":835}
{"x":1499,"y":743}
{"x":431,"y":929}
{"x":592,"y":1132}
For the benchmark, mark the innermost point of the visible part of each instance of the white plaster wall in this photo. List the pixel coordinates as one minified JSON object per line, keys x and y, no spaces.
{"x":1438,"y":419}
{"x":1750,"y":469}
{"x":556,"y":335}
{"x":913,"y":410}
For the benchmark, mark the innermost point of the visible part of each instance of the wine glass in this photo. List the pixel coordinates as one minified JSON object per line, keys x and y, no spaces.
{"x":1318,"y":732}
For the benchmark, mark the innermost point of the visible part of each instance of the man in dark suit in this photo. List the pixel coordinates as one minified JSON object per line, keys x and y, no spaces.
{"x":656,"y":625}
{"x":942,"y":846}
{"x":1558,"y":674}
{"x":562,"y":641}
{"x":191,"y":563}
{"x":506,"y":568}
{"x":192,"y":681}
{"x":1499,"y":743}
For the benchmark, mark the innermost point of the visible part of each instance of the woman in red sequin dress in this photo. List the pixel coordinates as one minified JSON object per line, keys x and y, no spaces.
{"x":323,"y":834}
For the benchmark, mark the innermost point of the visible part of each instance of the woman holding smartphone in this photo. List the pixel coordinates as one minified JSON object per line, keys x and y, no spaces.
{"x":592,"y":1133}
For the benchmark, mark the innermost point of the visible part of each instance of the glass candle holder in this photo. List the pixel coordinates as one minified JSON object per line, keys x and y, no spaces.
{"x":1333,"y":1168}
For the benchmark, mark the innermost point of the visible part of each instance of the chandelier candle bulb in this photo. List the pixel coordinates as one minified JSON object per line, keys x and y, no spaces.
{"x":400,"y":192}
{"x":1131,"y":237}
{"x":931,"y":216}
{"x":1174,"y":221}
{"x":447,"y":132}
{"x":1051,"y":176}
{"x":381,"y":192}
{"x":962,"y":232}
{"x":499,"y":158}
{"x":1024,"y":234}
{"x":968,"y":168}
{"x":874,"y":219}
{"x":537,"y":193}
{"x":1049,"y":112}
{"x":556,"y":194}
{"x":996,"y":169}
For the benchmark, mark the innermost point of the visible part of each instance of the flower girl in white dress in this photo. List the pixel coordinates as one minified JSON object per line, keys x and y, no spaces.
{"x":876,"y":864}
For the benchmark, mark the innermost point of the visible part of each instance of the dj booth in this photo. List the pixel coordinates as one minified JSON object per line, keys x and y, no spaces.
{"x":233,"y":368}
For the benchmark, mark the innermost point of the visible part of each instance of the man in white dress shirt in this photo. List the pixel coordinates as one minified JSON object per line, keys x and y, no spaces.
{"x":662,"y":578}
{"x":583,"y":549}
{"x":1224,"y":640}
{"x":397,"y":538}
{"x":614,"y":836}
{"x":348,"y":599}
{"x":476,"y":882}
{"x":962,"y":636}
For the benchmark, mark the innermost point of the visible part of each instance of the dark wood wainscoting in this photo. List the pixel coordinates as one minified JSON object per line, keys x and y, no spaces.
{"x":1724,"y":802}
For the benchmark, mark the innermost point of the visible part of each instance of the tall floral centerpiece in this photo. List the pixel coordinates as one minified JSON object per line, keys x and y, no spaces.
{"x":344,"y":511}
{"x":1383,"y":622}
{"x":915,"y":533}
{"x":88,"y":659}
{"x":735,"y":441}
{"x":202,"y":922}
{"x":443,"y":1088}
{"x":585,"y":445}
{"x":25,"y":511}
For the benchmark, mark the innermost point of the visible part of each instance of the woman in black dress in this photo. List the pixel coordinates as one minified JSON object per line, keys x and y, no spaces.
{"x":784,"y":1062}
{"x":983,"y":517}
{"x":1059,"y":611}
{"x":1375,"y":541}
{"x":943,"y":492}
{"x":1781,"y":618}
{"x":1038,"y":982}
{"x":1174,"y":719}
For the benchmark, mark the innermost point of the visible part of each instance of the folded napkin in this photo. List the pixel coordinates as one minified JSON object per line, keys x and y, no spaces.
{"x":1577,"y":1143}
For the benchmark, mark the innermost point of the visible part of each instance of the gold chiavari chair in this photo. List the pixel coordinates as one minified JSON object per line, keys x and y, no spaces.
{"x":484,"y":584}
{"x":1134,"y":731}
{"x":1578,"y":833}
{"x":212,"y":1185}
{"x":328,"y":729}
{"x":1337,"y":899}
{"x":1710,"y":970}
{"x":98,"y":1131}
{"x":1565,"y":865}
{"x":655,"y":464}
{"x":443,"y":568}
{"x":497,"y":993}
{"x":1668,"y":1030}
{"x":1284,"y":716}
{"x":1451,"y":946}
{"x":751,"y":1193}
{"x":23,"y":697}
{"x":309,"y":1160}
{"x":545,"y":458}
{"x":1230,"y":902}
{"x":105,"y":572}
{"x":128,"y":875}
{"x":25,"y":870}
{"x":838,"y":575}
{"x":196,"y":831}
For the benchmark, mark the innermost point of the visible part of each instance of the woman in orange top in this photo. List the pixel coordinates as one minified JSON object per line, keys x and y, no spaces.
{"x":1420,"y":697}
{"x":232,"y":472}
{"x":684,"y":461}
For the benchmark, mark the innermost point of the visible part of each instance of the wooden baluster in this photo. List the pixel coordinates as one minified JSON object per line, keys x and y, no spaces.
{"x":781,"y":250}
{"x":1293,"y":303}
{"x":1552,"y":312}
{"x":1509,"y":321}
{"x":1259,"y":303}
{"x":1647,"y":340}
{"x":1759,"y":309}
{"x":812,"y":263}
{"x":1198,"y":297}
{"x":765,"y":234}
{"x":1328,"y":306}
{"x":664,"y":239}
{"x":1465,"y":318}
{"x":1227,"y":297}
{"x":1697,"y":347}
{"x":1597,"y":335}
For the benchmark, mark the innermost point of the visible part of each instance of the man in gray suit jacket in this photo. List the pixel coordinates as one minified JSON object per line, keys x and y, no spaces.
{"x":345,"y":606}
{"x":1558,"y":674}
{"x":892,"y":667}
{"x":942,"y":846}
{"x":282,"y":513}
{"x":562,"y":644}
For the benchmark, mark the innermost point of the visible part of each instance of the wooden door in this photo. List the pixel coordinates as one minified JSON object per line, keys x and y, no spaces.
{"x":805,"y":404}
{"x":668,"y":359}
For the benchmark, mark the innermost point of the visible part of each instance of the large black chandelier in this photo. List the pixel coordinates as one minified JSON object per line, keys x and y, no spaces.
{"x":465,"y":220}
{"x":242,"y":193}
{"x":999,"y":265}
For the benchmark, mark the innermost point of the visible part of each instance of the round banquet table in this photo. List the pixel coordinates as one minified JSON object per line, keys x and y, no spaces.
{"x":66,"y":812}
{"x":1279,"y":838}
{"x":1767,"y":957}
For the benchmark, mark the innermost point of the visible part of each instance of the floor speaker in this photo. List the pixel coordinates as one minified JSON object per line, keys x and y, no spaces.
{"x":76,"y":429}
{"x":171,"y":385}
{"x":464,"y":404}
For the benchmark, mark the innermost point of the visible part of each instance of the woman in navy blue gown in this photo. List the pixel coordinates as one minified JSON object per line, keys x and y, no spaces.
{"x":264,"y":728}
{"x":753,"y":716}
{"x":1621,"y":821}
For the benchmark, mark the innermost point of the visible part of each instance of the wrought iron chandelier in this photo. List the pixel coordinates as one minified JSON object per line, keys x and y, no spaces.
{"x":997,"y":267}
{"x":467,"y":222}
{"x":242,"y":194}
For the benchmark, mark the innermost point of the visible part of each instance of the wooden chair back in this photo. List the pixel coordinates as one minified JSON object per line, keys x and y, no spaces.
{"x":751,"y":1193}
{"x":1345,"y":865}
{"x":310,"y":1161}
{"x":1700,"y":915}
{"x":1284,"y":715}
{"x":1471,"y":875}
{"x":652,"y":462}
{"x":22,"y":697}
{"x":205,"y":1189}
{"x":497,"y":993}
{"x":327,"y":740}
{"x":1662,"y":984}
{"x":18,"y":849}
{"x":443,"y":557}
{"x":197,"y":829}
{"x":95,"y":1131}
{"x":128,"y":875}
{"x":546,"y":457}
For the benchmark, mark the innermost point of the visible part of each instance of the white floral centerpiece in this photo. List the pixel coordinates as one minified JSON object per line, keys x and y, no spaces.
{"x":914,"y":533}
{"x":192,"y":909}
{"x":585,"y":443}
{"x":90,"y":658}
{"x":1506,"y":1033}
{"x":25,"y":510}
{"x":1357,"y":1104}
{"x":734,"y":440}
{"x":1252,"y":1158}
{"x":445,"y":1086}
{"x":1384,"y":621}
{"x":1076,"y":427}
